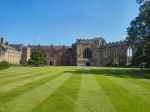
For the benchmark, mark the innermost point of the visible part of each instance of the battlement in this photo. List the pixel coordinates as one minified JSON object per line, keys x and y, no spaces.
{"x":116,"y":43}
{"x":88,"y":41}
{"x":85,"y":40}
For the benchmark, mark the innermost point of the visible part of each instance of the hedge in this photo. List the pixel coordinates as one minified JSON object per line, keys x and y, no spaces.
{"x":4,"y":65}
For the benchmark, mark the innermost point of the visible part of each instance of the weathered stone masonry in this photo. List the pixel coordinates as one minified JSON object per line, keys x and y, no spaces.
{"x":84,"y":52}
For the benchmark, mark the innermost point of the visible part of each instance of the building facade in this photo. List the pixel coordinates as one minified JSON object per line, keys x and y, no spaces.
{"x":8,"y":53}
{"x":84,"y":52}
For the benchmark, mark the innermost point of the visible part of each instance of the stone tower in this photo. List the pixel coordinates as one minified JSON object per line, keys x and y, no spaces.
{"x":86,"y":52}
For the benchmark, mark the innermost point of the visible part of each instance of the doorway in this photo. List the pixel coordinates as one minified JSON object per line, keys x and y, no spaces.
{"x":51,"y":63}
{"x":87,"y":64}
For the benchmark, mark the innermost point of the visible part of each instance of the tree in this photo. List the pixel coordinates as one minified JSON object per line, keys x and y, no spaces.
{"x":140,"y":30}
{"x":22,"y":62}
{"x":37,"y":58}
{"x":100,"y":38}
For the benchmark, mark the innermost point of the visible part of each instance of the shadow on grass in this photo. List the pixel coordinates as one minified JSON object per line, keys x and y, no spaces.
{"x":122,"y":73}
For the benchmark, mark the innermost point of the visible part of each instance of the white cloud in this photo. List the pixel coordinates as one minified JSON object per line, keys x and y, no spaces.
{"x":123,"y":36}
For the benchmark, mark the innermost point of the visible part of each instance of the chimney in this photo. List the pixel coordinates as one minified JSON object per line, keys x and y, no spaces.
{"x":2,"y":40}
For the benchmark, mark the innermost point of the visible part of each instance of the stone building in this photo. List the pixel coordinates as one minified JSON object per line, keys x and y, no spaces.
{"x":84,"y":52}
{"x":8,"y":53}
{"x":55,"y":55}
{"x":90,"y":52}
{"x":117,"y":53}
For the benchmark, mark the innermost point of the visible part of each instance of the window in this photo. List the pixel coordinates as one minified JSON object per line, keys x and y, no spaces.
{"x":106,"y":54}
{"x":87,"y":53}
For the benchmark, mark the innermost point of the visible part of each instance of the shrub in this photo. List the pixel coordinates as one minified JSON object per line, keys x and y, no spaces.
{"x":4,"y":65}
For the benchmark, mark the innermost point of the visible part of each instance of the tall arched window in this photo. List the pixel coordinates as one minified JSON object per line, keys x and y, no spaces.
{"x":116,"y":56}
{"x":129,"y":55}
{"x":87,"y":53}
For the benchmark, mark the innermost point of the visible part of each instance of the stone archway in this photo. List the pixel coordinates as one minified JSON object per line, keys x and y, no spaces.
{"x":87,"y":64}
{"x":50,"y":63}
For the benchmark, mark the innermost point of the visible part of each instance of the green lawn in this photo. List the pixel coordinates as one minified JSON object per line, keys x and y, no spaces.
{"x":74,"y":89}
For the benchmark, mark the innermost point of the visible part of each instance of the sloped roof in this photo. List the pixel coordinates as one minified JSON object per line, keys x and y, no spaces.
{"x":33,"y":47}
{"x":45,"y":47}
{"x":3,"y":47}
{"x":17,"y":46}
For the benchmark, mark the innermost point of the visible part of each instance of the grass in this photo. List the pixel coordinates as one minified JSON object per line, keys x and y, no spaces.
{"x":74,"y":89}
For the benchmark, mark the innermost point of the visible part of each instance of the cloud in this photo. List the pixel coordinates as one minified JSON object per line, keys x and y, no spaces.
{"x":123,"y":36}
{"x":38,"y":38}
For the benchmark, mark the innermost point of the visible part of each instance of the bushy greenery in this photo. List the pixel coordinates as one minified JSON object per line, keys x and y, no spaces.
{"x":22,"y":62}
{"x":140,"y":30}
{"x":4,"y":65}
{"x":100,"y":38}
{"x":37,"y":59}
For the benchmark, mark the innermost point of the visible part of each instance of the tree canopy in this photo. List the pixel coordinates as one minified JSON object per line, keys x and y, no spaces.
{"x":140,"y":29}
{"x":37,"y":58}
{"x":100,"y":38}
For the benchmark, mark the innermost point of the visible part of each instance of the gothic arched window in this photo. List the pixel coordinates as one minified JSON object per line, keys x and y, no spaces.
{"x":87,"y":53}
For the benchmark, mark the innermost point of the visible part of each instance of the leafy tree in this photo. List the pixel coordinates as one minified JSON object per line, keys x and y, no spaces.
{"x":22,"y":62}
{"x":140,"y":1}
{"x":140,"y":30}
{"x":100,"y":38}
{"x":37,"y":58}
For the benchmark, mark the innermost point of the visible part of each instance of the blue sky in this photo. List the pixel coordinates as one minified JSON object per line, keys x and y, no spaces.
{"x":61,"y":22}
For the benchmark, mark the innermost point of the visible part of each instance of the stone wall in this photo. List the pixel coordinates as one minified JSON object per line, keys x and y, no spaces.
{"x":92,"y":45}
{"x":13,"y":57}
{"x":115,"y":53}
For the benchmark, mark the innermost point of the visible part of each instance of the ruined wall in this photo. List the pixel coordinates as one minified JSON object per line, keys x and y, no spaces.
{"x":115,"y":53}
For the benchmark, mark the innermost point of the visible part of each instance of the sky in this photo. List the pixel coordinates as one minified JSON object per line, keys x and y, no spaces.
{"x":61,"y":22}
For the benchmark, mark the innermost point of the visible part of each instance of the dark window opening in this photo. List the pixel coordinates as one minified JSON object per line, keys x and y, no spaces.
{"x":87,"y":53}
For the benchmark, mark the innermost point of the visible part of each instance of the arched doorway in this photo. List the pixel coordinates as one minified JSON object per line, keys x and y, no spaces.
{"x":87,"y":64}
{"x":50,"y":63}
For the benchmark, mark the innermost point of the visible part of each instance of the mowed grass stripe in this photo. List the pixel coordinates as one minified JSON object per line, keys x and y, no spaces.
{"x":10,"y":95}
{"x":63,"y":99}
{"x":121,"y":99}
{"x":25,"y":76}
{"x":12,"y":71}
{"x":91,"y":96}
{"x":145,"y":80}
{"x":144,"y":83}
{"x":26,"y":70}
{"x":135,"y":89}
{"x":27,"y":101}
{"x":13,"y":85}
